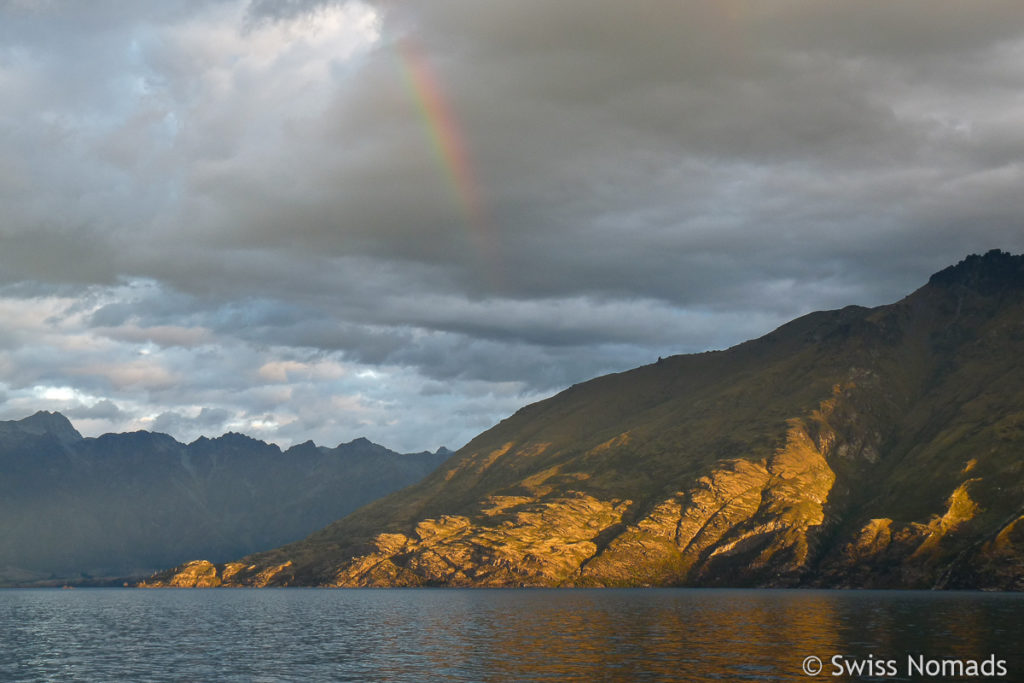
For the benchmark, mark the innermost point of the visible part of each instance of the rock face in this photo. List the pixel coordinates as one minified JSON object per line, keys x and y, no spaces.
{"x":119,"y":505}
{"x":862,"y":447}
{"x":756,"y":514}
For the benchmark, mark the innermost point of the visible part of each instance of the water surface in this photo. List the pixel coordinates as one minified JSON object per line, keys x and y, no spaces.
{"x":491,"y":635}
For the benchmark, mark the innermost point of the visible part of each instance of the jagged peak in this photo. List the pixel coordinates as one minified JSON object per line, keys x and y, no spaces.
{"x":233,"y":442}
{"x":237,"y":437}
{"x":362,"y":446}
{"x":360,"y":443}
{"x":307,"y":447}
{"x":141,"y":436}
{"x":993,"y":271}
{"x":45,"y":422}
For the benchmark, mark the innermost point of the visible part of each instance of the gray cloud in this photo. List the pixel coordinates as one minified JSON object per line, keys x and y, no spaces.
{"x":101,"y":410}
{"x":208,"y":419}
{"x":315,"y":218}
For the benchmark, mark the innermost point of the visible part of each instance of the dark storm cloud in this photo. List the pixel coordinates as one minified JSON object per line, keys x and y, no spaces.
{"x":234,"y":206}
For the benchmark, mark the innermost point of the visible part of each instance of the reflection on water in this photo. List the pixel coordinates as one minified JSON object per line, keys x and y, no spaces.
{"x":414,"y":635}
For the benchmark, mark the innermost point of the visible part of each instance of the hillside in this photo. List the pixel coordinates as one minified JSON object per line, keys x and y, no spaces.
{"x":74,"y":508}
{"x":878,"y":447}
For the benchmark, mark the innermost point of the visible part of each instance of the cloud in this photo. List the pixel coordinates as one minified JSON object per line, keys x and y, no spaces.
{"x":104,"y":409}
{"x":323,"y":218}
{"x":204,"y":421}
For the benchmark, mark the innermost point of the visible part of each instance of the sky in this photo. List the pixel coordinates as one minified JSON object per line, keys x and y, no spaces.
{"x":302,"y":219}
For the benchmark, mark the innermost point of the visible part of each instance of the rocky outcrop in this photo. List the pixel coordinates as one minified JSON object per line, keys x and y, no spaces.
{"x":737,"y":520}
{"x":736,"y":524}
{"x":539,"y":543}
{"x":884,"y":554}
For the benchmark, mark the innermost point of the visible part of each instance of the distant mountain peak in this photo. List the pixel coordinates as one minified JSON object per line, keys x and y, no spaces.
{"x":238,"y":439}
{"x":55,"y":424}
{"x":987,"y":273}
{"x":362,"y":446}
{"x":307,"y":447}
{"x":122,"y":504}
{"x":360,"y":442}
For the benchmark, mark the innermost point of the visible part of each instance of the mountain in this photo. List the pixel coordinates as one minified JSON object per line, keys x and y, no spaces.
{"x":861,"y":447}
{"x":74,"y":508}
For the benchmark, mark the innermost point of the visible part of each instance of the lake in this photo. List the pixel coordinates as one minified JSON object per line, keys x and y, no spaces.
{"x":492,"y":635}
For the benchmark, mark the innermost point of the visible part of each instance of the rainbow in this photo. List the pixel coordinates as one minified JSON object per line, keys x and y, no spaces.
{"x":450,"y":147}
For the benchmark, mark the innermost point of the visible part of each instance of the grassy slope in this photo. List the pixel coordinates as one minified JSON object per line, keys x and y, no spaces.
{"x":680,"y":416}
{"x":929,"y":383}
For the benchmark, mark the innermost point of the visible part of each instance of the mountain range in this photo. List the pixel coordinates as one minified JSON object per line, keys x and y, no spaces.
{"x":76,"y":509}
{"x":862,"y":447}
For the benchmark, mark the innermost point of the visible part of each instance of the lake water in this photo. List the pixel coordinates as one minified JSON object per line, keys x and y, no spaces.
{"x":491,"y":635}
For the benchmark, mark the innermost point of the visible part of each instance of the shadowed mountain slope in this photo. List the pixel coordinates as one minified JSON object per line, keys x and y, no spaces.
{"x":878,"y":447}
{"x":73,"y":508}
